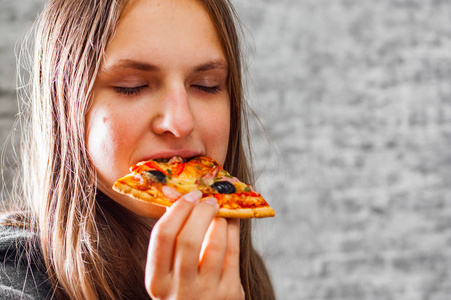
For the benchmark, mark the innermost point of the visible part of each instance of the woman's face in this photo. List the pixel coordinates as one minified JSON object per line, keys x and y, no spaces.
{"x":161,"y":91}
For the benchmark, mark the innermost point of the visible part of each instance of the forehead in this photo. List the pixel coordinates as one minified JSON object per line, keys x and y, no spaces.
{"x":165,"y":13}
{"x":176,"y":28}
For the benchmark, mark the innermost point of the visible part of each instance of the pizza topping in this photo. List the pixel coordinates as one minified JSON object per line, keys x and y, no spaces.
{"x":157,"y":175}
{"x":229,"y":178}
{"x":175,"y":159}
{"x":224,"y":187}
{"x":208,"y":178}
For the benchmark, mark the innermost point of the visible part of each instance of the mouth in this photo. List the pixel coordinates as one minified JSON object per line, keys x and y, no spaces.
{"x":175,"y":158}
{"x":181,"y":156}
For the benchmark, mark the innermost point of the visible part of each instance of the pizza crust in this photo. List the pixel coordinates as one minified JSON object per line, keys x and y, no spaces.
{"x":246,"y":213}
{"x":140,"y":195}
{"x":239,"y":213}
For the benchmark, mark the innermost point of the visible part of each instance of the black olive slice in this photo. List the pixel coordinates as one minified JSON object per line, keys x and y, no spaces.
{"x":158,"y":175}
{"x":224,"y":187}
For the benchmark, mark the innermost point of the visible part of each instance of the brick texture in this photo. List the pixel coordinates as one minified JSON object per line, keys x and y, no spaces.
{"x":354,"y":97}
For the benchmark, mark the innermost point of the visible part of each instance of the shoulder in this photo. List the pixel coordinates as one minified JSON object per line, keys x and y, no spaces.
{"x":22,"y":275}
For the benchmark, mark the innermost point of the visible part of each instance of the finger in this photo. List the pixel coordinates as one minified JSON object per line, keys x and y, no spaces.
{"x":164,"y":234}
{"x":214,"y":249}
{"x":231,"y":267}
{"x":170,"y":193}
{"x":189,"y":241}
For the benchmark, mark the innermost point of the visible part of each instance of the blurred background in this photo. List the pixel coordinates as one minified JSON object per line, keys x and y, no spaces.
{"x":353,"y":99}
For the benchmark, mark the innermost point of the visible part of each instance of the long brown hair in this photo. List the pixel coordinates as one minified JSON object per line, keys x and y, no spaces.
{"x":88,"y":251}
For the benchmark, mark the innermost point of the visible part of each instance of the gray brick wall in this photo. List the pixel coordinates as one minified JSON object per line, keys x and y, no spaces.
{"x":355,"y":99}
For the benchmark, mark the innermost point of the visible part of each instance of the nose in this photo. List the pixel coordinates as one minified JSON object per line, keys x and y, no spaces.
{"x":175,"y":116}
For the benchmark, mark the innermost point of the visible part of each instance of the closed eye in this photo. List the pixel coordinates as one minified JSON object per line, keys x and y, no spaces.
{"x":128,"y":91}
{"x":208,"y":89}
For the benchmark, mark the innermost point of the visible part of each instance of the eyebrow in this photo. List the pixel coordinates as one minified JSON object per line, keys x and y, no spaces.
{"x":219,"y":64}
{"x":211,"y":65}
{"x":132,"y":64}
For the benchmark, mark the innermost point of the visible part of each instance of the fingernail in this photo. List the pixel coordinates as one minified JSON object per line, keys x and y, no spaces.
{"x":170,"y":193}
{"x":211,"y":201}
{"x":193,"y":197}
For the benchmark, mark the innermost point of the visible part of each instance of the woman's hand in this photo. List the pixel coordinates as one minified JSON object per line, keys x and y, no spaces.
{"x":192,"y":254}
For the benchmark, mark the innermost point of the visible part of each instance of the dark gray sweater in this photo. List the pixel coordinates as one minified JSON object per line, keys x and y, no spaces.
{"x":21,"y":275}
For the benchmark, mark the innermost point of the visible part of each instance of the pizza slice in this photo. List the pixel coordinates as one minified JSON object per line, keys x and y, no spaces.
{"x":236,"y":199}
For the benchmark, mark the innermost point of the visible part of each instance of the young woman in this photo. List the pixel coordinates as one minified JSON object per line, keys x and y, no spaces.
{"x":115,"y":82}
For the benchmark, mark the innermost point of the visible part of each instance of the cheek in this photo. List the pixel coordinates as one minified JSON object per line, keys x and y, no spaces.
{"x":216,"y":127}
{"x":105,"y":143}
{"x":101,"y":136}
{"x":221,"y":131}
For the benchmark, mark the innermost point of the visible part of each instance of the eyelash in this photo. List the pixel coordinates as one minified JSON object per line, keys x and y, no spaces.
{"x":208,"y":89}
{"x":130,"y":91}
